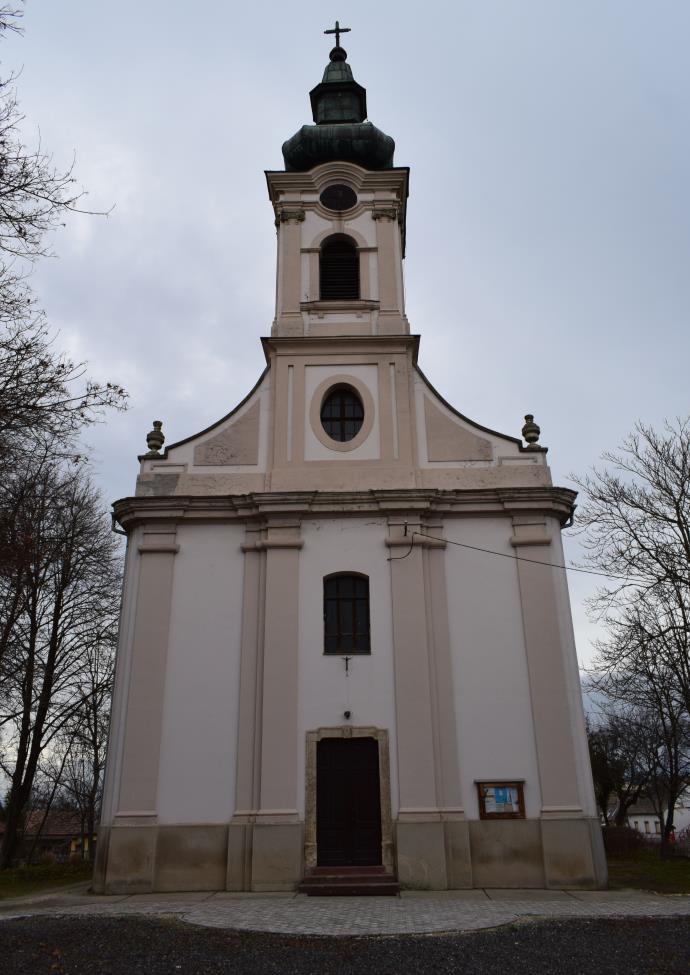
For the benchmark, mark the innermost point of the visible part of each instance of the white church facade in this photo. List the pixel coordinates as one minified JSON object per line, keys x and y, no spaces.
{"x":346,"y":646}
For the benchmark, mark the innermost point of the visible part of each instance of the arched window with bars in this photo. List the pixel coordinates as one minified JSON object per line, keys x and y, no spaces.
{"x":346,"y":614}
{"x":339,"y":269}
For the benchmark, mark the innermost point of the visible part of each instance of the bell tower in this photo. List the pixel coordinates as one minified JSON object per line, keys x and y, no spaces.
{"x":340,"y":215}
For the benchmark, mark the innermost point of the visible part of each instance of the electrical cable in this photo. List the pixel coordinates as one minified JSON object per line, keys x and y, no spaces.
{"x":521,"y":558}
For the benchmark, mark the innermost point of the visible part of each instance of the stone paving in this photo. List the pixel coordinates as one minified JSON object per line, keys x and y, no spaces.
{"x":413,"y":912}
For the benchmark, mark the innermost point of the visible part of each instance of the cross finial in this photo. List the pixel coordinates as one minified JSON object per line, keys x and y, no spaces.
{"x":338,"y":30}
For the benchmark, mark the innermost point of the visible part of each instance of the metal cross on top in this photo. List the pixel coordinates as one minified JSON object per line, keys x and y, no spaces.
{"x":338,"y":30}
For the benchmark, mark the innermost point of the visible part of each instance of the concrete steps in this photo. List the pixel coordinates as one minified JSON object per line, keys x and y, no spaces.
{"x":373,"y":881}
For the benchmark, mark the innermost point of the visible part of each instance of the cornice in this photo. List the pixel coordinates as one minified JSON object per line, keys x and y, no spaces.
{"x":337,"y":344}
{"x":263,"y":507}
{"x":320,"y":176}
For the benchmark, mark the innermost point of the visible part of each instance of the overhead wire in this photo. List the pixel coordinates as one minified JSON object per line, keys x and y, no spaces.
{"x":521,"y":558}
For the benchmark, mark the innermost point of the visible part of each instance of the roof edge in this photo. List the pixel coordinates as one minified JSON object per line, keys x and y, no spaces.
{"x":479,"y":426}
{"x":200,"y":433}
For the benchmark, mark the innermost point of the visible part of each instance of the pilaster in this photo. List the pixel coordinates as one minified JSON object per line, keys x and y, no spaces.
{"x":277,"y":833}
{"x":570,"y":847}
{"x":391,"y":313}
{"x":420,"y":830}
{"x":247,"y":779}
{"x":288,"y":315}
{"x":546,"y":667}
{"x":444,"y":726}
{"x":132,"y":838}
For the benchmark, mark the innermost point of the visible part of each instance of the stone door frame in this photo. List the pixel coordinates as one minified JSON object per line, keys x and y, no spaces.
{"x":347,"y":731}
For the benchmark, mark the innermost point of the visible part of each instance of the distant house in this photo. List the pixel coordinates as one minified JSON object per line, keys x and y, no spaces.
{"x":643,"y":818}
{"x":60,"y":834}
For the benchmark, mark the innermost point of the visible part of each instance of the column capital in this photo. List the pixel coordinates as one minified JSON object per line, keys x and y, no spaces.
{"x":385,"y":213}
{"x":159,"y":538}
{"x":284,"y":215}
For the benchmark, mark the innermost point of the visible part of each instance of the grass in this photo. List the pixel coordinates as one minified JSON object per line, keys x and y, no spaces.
{"x":20,"y":881}
{"x":646,"y":870}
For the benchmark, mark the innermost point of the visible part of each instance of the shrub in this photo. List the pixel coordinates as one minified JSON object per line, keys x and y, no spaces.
{"x":620,"y":841}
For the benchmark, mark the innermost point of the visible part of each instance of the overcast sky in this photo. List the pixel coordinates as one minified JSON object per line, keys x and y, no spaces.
{"x":548,"y":239}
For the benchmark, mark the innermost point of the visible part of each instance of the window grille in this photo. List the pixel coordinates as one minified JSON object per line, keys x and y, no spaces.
{"x":342,"y":414}
{"x":346,"y":614}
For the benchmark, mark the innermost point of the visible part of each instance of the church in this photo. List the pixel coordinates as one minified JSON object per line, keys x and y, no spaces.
{"x":346,"y":660}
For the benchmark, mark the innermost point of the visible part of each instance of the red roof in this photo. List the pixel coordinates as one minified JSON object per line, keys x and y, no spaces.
{"x":59,"y":822}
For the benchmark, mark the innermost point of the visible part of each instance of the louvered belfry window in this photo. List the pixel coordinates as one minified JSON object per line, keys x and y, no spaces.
{"x":346,"y":614}
{"x":339,"y":269}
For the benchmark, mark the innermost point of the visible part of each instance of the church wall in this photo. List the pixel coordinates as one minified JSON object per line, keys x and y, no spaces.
{"x":325,"y":691}
{"x":198,"y":753}
{"x":492,"y":696}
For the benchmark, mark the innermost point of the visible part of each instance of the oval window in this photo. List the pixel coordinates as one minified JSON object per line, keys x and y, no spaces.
{"x":342,"y":414}
{"x":338,"y":197}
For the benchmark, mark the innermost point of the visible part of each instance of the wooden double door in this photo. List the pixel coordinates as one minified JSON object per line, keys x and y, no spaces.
{"x":348,"y":803}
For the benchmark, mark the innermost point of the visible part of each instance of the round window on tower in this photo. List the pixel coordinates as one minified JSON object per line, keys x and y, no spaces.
{"x":342,"y":414}
{"x":338,"y":197}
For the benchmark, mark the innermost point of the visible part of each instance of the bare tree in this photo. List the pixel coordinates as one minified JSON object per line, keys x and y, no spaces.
{"x":77,"y":764}
{"x":668,"y":764}
{"x":633,"y":671}
{"x":71,"y":599}
{"x":43,"y":394}
{"x":45,"y":397}
{"x":636,"y":519}
{"x":59,"y":586}
{"x":618,"y":758}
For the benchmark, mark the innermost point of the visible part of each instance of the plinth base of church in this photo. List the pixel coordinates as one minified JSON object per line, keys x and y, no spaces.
{"x":547,"y":853}
{"x":433,"y":855}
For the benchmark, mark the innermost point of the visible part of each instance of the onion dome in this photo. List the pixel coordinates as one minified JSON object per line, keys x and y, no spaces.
{"x":339,"y":109}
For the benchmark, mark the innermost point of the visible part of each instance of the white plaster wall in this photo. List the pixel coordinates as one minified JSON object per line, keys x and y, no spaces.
{"x":199,"y":739}
{"x":325,"y":691}
{"x":364,"y":225}
{"x":490,"y":680}
{"x":647,"y":825}
{"x":681,"y":814}
{"x":368,"y":376}
{"x":313,"y":225}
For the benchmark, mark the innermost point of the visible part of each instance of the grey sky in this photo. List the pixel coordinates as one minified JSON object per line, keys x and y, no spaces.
{"x":548,"y":225}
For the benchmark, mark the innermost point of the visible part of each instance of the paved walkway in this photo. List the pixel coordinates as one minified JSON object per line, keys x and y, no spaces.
{"x":413,"y":912}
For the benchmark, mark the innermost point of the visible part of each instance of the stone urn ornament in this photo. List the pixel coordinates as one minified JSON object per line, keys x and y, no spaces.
{"x":155,"y":438}
{"x":531,"y":431}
